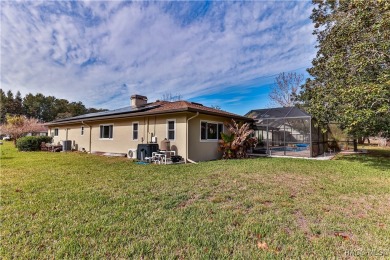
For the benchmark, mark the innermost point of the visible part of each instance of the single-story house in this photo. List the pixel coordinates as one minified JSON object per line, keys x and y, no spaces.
{"x":192,"y":129}
{"x":39,"y":132}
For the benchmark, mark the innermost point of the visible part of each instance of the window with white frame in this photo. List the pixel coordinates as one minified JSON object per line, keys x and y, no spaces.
{"x":82,"y":130}
{"x":135,"y":131}
{"x":55,"y":131}
{"x":106,"y":131}
{"x":210,"y":131}
{"x":171,"y":129}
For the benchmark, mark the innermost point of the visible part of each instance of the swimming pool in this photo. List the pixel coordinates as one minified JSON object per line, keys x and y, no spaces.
{"x":290,"y":149}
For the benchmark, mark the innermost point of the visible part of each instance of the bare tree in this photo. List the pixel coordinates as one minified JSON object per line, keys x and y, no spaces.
{"x":170,"y":97}
{"x":284,"y":92}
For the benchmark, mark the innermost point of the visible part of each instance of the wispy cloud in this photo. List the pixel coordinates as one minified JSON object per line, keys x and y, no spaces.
{"x":102,"y":52}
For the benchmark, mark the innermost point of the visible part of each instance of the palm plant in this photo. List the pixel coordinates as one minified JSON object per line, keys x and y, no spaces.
{"x":225,"y":145}
{"x":238,"y":141}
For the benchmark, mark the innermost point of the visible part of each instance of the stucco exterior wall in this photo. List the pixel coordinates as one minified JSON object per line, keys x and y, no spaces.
{"x":72,"y":132}
{"x":198,"y":150}
{"x":122,"y":138}
{"x":203,"y":150}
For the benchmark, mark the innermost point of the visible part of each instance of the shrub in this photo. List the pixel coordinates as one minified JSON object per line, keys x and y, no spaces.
{"x":237,"y":142}
{"x":32,"y":143}
{"x":45,"y":139}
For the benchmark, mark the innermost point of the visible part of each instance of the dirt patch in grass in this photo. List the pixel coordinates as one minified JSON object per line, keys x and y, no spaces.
{"x":302,"y":223}
{"x":267,"y":203}
{"x":293,"y":179}
{"x":189,"y":201}
{"x":297,"y":185}
{"x":363,"y":206}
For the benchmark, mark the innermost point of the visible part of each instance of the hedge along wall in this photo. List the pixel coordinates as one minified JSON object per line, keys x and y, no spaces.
{"x":32,"y":143}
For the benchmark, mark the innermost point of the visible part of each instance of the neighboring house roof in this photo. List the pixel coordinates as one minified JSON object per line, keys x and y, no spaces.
{"x":155,"y":108}
{"x":42,"y":129}
{"x":277,"y":113}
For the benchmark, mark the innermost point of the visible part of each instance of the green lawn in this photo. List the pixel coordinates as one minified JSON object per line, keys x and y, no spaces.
{"x":73,"y":205}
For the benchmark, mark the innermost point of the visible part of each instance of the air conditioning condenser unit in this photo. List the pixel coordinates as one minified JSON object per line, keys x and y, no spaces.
{"x":132,"y":154}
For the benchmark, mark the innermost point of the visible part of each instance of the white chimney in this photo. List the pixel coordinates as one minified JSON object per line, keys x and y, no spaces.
{"x":138,"y":101}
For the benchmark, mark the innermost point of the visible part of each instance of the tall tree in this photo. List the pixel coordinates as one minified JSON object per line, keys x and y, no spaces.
{"x":48,"y":109}
{"x":351,"y":73}
{"x":61,"y":105}
{"x":76,"y":108}
{"x":31,"y":106}
{"x":9,"y":103}
{"x":18,"y":104}
{"x":42,"y":107}
{"x":284,"y":92}
{"x":3,"y":100}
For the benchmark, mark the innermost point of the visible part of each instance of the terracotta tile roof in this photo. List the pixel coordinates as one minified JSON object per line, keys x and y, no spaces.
{"x":158,"y":107}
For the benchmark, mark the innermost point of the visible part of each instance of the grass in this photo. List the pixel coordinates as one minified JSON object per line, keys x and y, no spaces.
{"x":73,"y":205}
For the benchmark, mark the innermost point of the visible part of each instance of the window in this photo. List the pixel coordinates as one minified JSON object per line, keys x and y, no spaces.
{"x":106,"y":131}
{"x":82,"y":130}
{"x":210,"y":131}
{"x":55,"y":131}
{"x":171,"y":129}
{"x":135,"y":131}
{"x":220,"y":130}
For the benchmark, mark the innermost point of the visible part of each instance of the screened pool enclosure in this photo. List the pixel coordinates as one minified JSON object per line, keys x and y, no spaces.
{"x":287,"y":131}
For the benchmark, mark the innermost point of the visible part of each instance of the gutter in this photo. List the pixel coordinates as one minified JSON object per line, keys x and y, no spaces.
{"x":188,"y":159}
{"x":90,"y":135}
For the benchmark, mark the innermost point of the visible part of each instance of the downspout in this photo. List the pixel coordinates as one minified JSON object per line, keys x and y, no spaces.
{"x":147,"y":137}
{"x":90,"y":135}
{"x":154,"y":126}
{"x":145,"y":130}
{"x":188,"y":159}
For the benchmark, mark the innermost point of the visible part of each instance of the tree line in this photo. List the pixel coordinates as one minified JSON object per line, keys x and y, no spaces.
{"x":44,"y":108}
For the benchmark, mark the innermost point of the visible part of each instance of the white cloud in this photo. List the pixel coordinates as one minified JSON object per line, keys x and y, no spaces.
{"x":88,"y":51}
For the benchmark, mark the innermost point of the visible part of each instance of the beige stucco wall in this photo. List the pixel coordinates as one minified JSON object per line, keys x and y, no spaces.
{"x":123,"y":133}
{"x":71,"y":132}
{"x":201,"y":150}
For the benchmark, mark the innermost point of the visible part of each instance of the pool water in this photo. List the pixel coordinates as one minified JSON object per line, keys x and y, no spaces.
{"x":289,"y":149}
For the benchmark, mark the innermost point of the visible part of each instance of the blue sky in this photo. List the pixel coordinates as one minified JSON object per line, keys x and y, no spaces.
{"x":100,"y":53}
